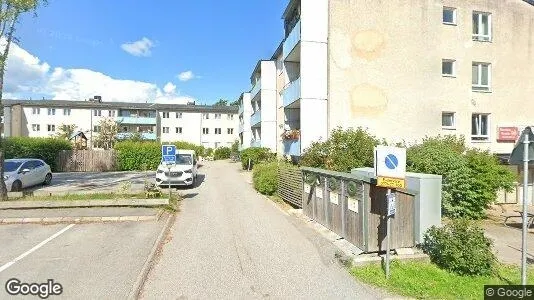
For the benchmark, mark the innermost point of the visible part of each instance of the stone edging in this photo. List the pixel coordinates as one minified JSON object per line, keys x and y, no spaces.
{"x":19,"y":204}
{"x":54,"y":220}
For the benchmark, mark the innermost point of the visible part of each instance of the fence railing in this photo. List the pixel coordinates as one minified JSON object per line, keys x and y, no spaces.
{"x":87,"y":161}
{"x":290,"y":185}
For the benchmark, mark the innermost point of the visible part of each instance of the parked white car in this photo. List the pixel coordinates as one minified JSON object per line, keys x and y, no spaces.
{"x":183,"y":173}
{"x":25,"y":172}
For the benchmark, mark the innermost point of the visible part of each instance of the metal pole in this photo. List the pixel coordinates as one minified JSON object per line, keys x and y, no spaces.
{"x":169,"y":178}
{"x":526,"y":143}
{"x":388,"y":227}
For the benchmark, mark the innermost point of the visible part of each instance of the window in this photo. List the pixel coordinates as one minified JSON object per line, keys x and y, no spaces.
{"x":66,"y":111}
{"x":217,"y":131}
{"x":449,"y":15}
{"x":178,"y":115}
{"x":36,"y":110}
{"x":97,"y":112}
{"x":448,"y":67}
{"x":205,"y":130}
{"x":166,"y":130}
{"x":230,"y":131}
{"x":230,"y":117}
{"x":217,"y":116}
{"x":179,"y":130}
{"x":448,"y":120}
{"x":481,"y":26}
{"x":51,"y":111}
{"x":97,"y":128}
{"x":481,"y":76}
{"x":165,"y":114}
{"x":51,"y":128}
{"x":111,"y":113}
{"x":206,"y":116}
{"x":36,"y":127}
{"x":480,"y":127}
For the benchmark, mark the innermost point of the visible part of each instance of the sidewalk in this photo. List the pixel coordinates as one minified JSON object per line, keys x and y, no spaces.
{"x":507,"y":243}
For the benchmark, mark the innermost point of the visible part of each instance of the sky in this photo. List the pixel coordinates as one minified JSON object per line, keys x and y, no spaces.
{"x":171,"y":51}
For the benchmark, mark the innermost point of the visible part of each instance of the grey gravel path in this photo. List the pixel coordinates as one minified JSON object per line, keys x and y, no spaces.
{"x":228,"y":242}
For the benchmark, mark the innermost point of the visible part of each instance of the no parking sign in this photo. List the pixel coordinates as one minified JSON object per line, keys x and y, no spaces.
{"x":390,"y":166}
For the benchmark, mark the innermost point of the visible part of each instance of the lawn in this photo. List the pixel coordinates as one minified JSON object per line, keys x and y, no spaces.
{"x":424,"y":280}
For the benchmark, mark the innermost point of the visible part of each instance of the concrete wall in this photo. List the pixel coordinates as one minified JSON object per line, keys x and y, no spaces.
{"x":224,"y":139}
{"x":269,"y":107}
{"x":385,"y":67}
{"x":190,"y":123}
{"x":245,"y":120}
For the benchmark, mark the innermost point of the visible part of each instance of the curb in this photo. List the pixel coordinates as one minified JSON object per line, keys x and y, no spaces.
{"x":53,"y":220}
{"x":141,"y":278}
{"x":16,"y":204}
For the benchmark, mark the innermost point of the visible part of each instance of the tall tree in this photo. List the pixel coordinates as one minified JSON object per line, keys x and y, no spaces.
{"x":235,"y":103}
{"x":65,"y":131}
{"x":221,"y":102}
{"x":107,"y":135}
{"x":10,"y":13}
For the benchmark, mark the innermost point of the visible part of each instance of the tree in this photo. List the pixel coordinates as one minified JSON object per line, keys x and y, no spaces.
{"x":221,"y":102}
{"x":10,"y":12}
{"x":65,"y":131}
{"x":235,"y":103}
{"x":107,"y":136}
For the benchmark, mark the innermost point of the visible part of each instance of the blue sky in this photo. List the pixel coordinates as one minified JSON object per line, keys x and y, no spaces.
{"x":218,"y":41}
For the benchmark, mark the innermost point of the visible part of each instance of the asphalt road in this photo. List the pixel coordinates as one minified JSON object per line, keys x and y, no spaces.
{"x":90,"y":261}
{"x":228,"y":242}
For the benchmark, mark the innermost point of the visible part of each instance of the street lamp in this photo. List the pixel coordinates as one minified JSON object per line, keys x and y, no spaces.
{"x":523,"y":153}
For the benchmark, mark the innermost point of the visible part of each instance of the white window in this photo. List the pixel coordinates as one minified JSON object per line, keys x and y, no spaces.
{"x":230,"y":131}
{"x":218,"y":131}
{"x":51,"y":128}
{"x":36,"y":127}
{"x":36,"y":111}
{"x":480,"y":127}
{"x":481,"y":73}
{"x":166,"y":130}
{"x":66,"y":111}
{"x":217,"y":116}
{"x":97,"y":128}
{"x":206,"y":116}
{"x":111,"y":113}
{"x":230,"y":117}
{"x":448,"y":67}
{"x":51,"y":111}
{"x":481,"y":26}
{"x":179,"y":130}
{"x":448,"y":120}
{"x":449,"y":15}
{"x":97,"y":112}
{"x":205,"y":130}
{"x":178,"y":115}
{"x":165,"y":114}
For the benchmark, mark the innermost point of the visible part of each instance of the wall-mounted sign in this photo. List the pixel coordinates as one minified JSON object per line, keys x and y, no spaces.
{"x":507,"y":134}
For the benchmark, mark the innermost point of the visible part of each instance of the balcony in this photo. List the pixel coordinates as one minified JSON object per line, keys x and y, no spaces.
{"x":292,"y":147}
{"x":136,"y":120}
{"x":255,"y":89}
{"x":291,"y":93}
{"x":241,"y":127}
{"x":255,"y":143}
{"x":241,"y":109}
{"x":255,"y":119}
{"x":144,"y":135}
{"x":291,"y":42}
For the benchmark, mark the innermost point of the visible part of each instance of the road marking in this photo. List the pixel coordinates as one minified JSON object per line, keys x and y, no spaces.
{"x":55,"y":235}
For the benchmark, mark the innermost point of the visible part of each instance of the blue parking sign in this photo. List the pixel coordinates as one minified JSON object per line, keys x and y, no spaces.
{"x":168,"y":152}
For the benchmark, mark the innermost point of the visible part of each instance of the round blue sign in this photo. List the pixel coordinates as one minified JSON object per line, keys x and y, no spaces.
{"x":391,"y":161}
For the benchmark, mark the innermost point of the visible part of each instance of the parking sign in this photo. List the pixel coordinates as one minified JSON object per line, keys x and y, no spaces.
{"x":168,"y":152}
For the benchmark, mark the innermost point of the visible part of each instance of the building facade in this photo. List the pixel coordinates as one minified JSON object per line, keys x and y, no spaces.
{"x":405,"y":71}
{"x":210,"y":126}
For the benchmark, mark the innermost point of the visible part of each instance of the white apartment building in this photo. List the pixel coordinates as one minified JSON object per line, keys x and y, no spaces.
{"x":245,"y":111}
{"x":210,"y":126}
{"x":406,"y":70}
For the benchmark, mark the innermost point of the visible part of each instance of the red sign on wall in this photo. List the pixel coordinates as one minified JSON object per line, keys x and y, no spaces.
{"x":508,"y":134}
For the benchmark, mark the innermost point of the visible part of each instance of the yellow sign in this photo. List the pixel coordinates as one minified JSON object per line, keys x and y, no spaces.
{"x":388,"y":182}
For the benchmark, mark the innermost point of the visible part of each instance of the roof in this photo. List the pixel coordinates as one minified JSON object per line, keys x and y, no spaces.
{"x":256,"y":69}
{"x":122,"y":105}
{"x":289,"y":7}
{"x":77,"y":133}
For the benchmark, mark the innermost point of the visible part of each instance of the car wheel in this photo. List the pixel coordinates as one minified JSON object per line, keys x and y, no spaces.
{"x":17,"y":186}
{"x":48,"y":179}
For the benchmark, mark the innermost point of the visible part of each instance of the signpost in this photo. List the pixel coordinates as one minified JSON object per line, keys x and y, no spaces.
{"x":523,"y":153}
{"x":390,"y":171}
{"x":168,"y":153}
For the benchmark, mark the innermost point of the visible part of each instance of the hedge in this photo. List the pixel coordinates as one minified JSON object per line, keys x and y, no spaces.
{"x":256,"y":155}
{"x":46,"y":149}
{"x":222,"y":153}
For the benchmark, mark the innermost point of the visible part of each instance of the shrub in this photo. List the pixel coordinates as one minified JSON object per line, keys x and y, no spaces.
{"x":199,"y":150}
{"x":256,"y":156}
{"x":46,"y":149}
{"x":265,"y":177}
{"x":460,"y":247}
{"x":343,"y":151}
{"x":221,"y":153}
{"x":208,"y":152}
{"x":135,"y":156}
{"x":235,"y":147}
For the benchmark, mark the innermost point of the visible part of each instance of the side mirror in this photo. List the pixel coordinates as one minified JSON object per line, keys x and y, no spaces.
{"x":24,"y":171}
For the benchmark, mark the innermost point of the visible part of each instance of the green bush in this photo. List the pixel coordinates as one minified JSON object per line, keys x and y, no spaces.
{"x":222,"y":153}
{"x":235,"y":147}
{"x":256,"y":155}
{"x":265,"y":177}
{"x":343,"y":151}
{"x":46,"y":149}
{"x":460,"y":247}
{"x":208,"y":152}
{"x":471,"y":178}
{"x":136,"y":156}
{"x":199,"y":150}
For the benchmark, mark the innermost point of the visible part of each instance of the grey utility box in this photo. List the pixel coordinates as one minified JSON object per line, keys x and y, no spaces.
{"x":427,"y":191}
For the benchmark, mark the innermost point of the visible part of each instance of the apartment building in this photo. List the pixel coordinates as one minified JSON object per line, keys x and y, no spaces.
{"x":210,"y":126}
{"x":245,"y":112}
{"x":405,"y":70}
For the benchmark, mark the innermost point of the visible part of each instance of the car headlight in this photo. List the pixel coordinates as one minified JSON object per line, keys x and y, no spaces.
{"x":6,"y":177}
{"x":189,"y":171}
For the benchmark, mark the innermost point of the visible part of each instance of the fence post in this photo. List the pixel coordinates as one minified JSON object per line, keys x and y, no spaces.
{"x":326,"y":202}
{"x":342,"y":194}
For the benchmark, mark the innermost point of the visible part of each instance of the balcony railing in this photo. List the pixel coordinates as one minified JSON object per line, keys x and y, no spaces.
{"x":241,"y":127}
{"x":255,"y":143}
{"x":137,"y":120}
{"x":255,"y":89}
{"x":255,"y":118}
{"x":241,"y":109}
{"x":144,"y":135}
{"x":292,"y":40}
{"x":292,"y":147}
{"x":291,"y":93}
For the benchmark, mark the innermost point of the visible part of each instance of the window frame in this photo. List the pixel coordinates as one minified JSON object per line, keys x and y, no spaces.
{"x":206,"y":116}
{"x":53,"y":126}
{"x":179,"y":130}
{"x":205,"y":130}
{"x":97,"y":128}
{"x":51,"y":111}
{"x":166,"y":114}
{"x":480,"y":37}
{"x":480,"y":137}
{"x":166,"y":129}
{"x":453,"y":67}
{"x":230,"y":131}
{"x":478,"y":87}
{"x":36,"y":127}
{"x":218,"y":130}
{"x":179,"y":115}
{"x":97,"y":112}
{"x":448,"y":127}
{"x":36,"y":110}
{"x":454,"y":15}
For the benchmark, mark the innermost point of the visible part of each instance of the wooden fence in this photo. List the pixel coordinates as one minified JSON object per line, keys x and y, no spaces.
{"x":87,"y":161}
{"x":290,"y":185}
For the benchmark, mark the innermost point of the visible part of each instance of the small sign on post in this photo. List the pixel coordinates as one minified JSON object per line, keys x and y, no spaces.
{"x":392,"y":205}
{"x":168,"y":154}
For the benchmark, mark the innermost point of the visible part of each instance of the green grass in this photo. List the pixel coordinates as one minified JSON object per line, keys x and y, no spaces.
{"x":424,"y":280}
{"x":96,"y":196}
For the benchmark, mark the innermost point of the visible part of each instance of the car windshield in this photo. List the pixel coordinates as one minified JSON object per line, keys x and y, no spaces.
{"x":10,"y":166}
{"x":184,"y":159}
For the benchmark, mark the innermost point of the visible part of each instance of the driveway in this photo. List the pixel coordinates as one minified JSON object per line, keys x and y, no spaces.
{"x":229,"y":242}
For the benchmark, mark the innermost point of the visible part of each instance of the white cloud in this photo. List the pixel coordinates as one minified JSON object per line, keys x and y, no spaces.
{"x":139,"y":48}
{"x":26,"y":76}
{"x":187,"y":75}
